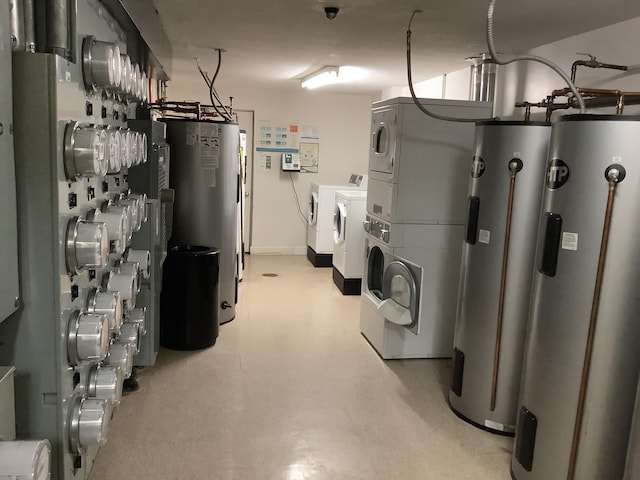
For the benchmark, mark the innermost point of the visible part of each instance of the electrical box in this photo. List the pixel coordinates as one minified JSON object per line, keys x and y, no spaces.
{"x":290,"y":162}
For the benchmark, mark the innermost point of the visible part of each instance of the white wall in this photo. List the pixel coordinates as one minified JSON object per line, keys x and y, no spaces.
{"x":342,"y":122}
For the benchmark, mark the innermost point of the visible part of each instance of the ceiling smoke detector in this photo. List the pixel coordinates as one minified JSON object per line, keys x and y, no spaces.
{"x":331,"y":12}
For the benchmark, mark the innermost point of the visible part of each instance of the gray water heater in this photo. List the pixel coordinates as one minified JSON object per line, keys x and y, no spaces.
{"x":204,"y":175}
{"x":505,"y":190}
{"x":581,"y":363}
{"x":632,"y":469}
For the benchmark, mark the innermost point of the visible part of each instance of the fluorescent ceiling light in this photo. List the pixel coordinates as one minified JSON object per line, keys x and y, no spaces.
{"x":322,"y":77}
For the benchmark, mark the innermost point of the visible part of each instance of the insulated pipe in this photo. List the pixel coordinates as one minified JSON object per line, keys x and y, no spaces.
{"x":58,"y":27}
{"x":503,"y":60}
{"x":614,"y":175}
{"x":514,"y":168}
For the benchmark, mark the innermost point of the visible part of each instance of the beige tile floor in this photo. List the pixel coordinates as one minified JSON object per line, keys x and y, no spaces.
{"x":292,"y":391}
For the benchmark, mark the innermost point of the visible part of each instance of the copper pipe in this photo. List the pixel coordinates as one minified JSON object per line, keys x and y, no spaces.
{"x":595,"y":306}
{"x":593,"y":63}
{"x":503,"y":286}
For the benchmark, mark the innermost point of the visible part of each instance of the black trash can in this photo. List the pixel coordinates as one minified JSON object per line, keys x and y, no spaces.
{"x":189,"y":298}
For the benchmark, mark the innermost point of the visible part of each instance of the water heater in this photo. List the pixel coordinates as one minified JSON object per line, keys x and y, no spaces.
{"x":581,"y":364}
{"x":505,"y":190}
{"x":204,"y":175}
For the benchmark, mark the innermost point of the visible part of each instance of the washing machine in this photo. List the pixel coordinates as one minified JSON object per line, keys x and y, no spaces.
{"x":348,"y":240}
{"x":320,"y":218}
{"x":409,"y":288}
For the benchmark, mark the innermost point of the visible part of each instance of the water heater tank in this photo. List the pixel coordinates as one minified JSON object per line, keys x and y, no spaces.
{"x":507,"y":174}
{"x":581,"y":364}
{"x":204,"y":175}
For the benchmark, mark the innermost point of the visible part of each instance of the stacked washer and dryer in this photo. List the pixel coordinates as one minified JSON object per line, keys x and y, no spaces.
{"x":320,"y":218}
{"x":414,"y":227}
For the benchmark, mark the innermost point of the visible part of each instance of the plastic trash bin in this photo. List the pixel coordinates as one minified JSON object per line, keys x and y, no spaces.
{"x":189,"y":298}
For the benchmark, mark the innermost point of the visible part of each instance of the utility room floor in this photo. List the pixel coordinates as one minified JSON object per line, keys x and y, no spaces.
{"x":292,"y":391}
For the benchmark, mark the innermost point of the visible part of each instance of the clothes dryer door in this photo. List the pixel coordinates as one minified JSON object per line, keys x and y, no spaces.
{"x":401,"y":294}
{"x":381,"y":155}
{"x":339,"y":223}
{"x":312,"y":214}
{"x":374,"y":271}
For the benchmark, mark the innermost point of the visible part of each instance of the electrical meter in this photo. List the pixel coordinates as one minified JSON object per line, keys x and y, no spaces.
{"x":130,"y":335}
{"x":87,"y":245}
{"x":126,"y":76}
{"x":106,"y":382}
{"x":113,"y":150}
{"x":101,"y":66}
{"x":130,"y":268}
{"x":117,"y":226}
{"x":106,"y":303}
{"x":143,"y":258}
{"x":88,"y":423}
{"x":138,"y":316}
{"x":121,"y":356}
{"x":25,"y":460}
{"x":87,"y":338}
{"x":291,"y":162}
{"x":126,"y":284}
{"x":110,"y":207}
{"x":85,"y":151}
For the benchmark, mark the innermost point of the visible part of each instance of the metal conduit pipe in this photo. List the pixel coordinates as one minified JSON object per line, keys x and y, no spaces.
{"x":614,"y":175}
{"x":29,"y":26}
{"x":504,"y":60}
{"x":58,"y":27}
{"x":16,"y":12}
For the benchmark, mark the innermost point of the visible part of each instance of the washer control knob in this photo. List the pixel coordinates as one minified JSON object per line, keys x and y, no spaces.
{"x":124,"y":283}
{"x":88,"y":423}
{"x":120,"y":356}
{"x":87,"y":245}
{"x":142,"y":257}
{"x":138,"y":316}
{"x":106,"y":303}
{"x":85,"y":151}
{"x":106,"y":382}
{"x":130,"y":335}
{"x":87,"y":338}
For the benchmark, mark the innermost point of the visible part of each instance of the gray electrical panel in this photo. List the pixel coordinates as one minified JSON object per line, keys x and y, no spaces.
{"x":74,"y":337}
{"x":9,"y":287}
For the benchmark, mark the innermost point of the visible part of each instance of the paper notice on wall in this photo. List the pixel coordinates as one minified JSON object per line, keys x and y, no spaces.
{"x":281,"y":137}
{"x":309,"y":157}
{"x":209,"y":146}
{"x":209,"y":177}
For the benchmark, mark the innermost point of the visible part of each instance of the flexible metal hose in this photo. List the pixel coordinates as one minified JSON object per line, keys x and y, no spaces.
{"x":504,"y":60}
{"x":422,"y":108}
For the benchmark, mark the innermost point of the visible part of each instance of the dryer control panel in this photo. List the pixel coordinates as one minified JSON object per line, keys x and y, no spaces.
{"x":290,"y":162}
{"x":376,"y":228}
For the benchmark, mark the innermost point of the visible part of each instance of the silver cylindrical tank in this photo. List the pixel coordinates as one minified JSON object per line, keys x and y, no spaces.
{"x":632,"y":469}
{"x":505,"y":191}
{"x":581,"y":364}
{"x":204,"y":175}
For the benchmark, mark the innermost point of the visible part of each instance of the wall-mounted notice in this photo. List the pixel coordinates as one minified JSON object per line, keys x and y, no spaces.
{"x":278,"y":137}
{"x":309,"y":155}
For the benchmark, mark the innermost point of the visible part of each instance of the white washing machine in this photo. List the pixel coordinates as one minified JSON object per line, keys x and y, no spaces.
{"x":320,"y":218}
{"x":348,"y":240}
{"x":410,"y":288}
{"x":419,"y":166}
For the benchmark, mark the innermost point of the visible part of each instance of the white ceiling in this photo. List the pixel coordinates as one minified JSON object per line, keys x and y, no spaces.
{"x":274,"y":43}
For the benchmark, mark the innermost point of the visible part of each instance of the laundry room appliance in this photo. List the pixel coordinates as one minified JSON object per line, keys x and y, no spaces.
{"x":581,"y":363}
{"x":409,"y":288}
{"x":419,"y":166}
{"x":320,"y":218}
{"x":505,"y":190}
{"x":416,"y":205}
{"x":348,"y":237}
{"x":204,"y":175}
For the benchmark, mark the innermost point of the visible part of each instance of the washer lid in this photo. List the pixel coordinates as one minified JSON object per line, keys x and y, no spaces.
{"x":399,"y":284}
{"x":339,"y":223}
